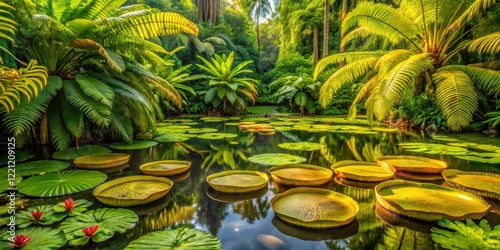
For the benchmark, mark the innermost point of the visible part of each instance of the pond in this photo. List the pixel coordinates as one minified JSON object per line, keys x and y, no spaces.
{"x":251,"y":224}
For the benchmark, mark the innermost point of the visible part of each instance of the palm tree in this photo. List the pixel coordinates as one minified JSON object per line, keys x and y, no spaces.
{"x":435,"y":33}
{"x":259,"y":9}
{"x":302,"y":21}
{"x":326,"y":28}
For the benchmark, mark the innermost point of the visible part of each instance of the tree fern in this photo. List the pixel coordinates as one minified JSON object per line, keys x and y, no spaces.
{"x":347,"y":57}
{"x":28,"y":113}
{"x":489,"y":44}
{"x":73,"y":118}
{"x":59,"y":135}
{"x":113,"y":59}
{"x":122,"y":124}
{"x":488,"y":80}
{"x":456,"y":96}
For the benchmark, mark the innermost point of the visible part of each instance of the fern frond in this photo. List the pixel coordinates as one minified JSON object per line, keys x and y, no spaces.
{"x":113,"y":59}
{"x":59,"y":135}
{"x":96,"y":89}
{"x":73,"y":118}
{"x":101,"y":9}
{"x":472,"y":11}
{"x":486,"y":79}
{"x":121,"y":124}
{"x":489,"y":44}
{"x":362,"y":93}
{"x":346,"y":74}
{"x":97,"y":112}
{"x":347,"y":57}
{"x":388,"y":61}
{"x":456,"y":96}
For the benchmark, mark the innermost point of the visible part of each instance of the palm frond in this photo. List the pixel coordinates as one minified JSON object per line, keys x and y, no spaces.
{"x":73,"y":118}
{"x":113,"y":59}
{"x":363,"y":92}
{"x":347,"y":57}
{"x":346,"y":74}
{"x":486,"y":79}
{"x":472,"y":11}
{"x":7,"y":24}
{"x":456,"y":96}
{"x":489,"y":44}
{"x":388,"y":61}
{"x":96,"y":89}
{"x":122,"y":124}
{"x":101,"y":9}
{"x":392,"y":87}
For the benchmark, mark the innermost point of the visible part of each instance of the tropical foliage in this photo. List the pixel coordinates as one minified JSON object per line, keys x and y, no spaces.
{"x":298,"y":90}
{"x":431,"y":35}
{"x":227,"y":86}
{"x":467,"y":235}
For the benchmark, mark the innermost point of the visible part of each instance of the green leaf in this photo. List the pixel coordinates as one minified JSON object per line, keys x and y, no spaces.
{"x":466,"y":236}
{"x":134,"y":145}
{"x":38,"y":167}
{"x":59,"y":135}
{"x":231,"y":95}
{"x":210,"y":94}
{"x":109,"y":220}
{"x":221,"y":92}
{"x":97,"y":112}
{"x":73,"y":153}
{"x":25,"y":219}
{"x":61,"y":183}
{"x":300,"y":99}
{"x":41,"y":238}
{"x":96,"y":89}
{"x":181,"y":238}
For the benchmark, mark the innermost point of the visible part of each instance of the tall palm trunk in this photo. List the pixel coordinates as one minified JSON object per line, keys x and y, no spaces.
{"x":44,"y":129}
{"x":326,"y":28}
{"x":342,"y":35}
{"x":316,"y":44}
{"x":258,"y":35}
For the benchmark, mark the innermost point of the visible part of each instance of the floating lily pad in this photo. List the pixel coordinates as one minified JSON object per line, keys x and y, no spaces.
{"x":108,"y":220}
{"x":201,"y":130}
{"x":46,"y":216}
{"x":414,"y":164}
{"x":42,"y":238}
{"x":232,"y":124}
{"x":276,"y":159}
{"x":429,"y":202}
{"x":180,"y":238}
{"x":444,"y":138}
{"x":132,"y":190}
{"x":238,"y":181}
{"x":214,"y":119}
{"x":431,"y":178}
{"x":316,"y":235}
{"x":267,"y":131}
{"x":73,"y":153}
{"x":6,"y":184}
{"x":475,"y":158}
{"x":217,"y":136}
{"x":167,"y":128}
{"x":356,"y":184}
{"x":99,"y":161}
{"x":479,"y":183}
{"x":432,"y":148}
{"x":282,"y":128}
{"x":282,"y":123}
{"x":165,"y":168}
{"x":305,"y":146}
{"x":19,"y":156}
{"x":363,"y":171}
{"x":38,"y":167}
{"x":300,"y":175}
{"x":172,"y":137}
{"x":315,"y":208}
{"x":134,"y":145}
{"x":61,"y":183}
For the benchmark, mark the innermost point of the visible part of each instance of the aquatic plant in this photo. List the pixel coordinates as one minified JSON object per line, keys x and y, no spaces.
{"x":180,"y":238}
{"x":134,"y":145}
{"x":38,"y":167}
{"x":38,"y":215}
{"x":34,"y":238}
{"x":100,"y":161}
{"x":275,"y":159}
{"x":71,"y":207}
{"x":465,"y":236}
{"x":73,"y":153}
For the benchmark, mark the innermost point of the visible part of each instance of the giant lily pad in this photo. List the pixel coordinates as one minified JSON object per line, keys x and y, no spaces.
{"x":61,"y":183}
{"x":236,"y":197}
{"x":108,"y":220}
{"x":238,"y":181}
{"x":414,"y":164}
{"x":19,"y":156}
{"x":132,"y":190}
{"x":432,"y":148}
{"x":276,"y":159}
{"x":483,"y":184}
{"x":363,"y":171}
{"x":429,"y":202}
{"x":172,"y":239}
{"x":41,"y":239}
{"x":314,"y":208}
{"x":300,"y":175}
{"x":305,"y":146}
{"x":38,"y":167}
{"x":316,"y":235}
{"x":165,"y":168}
{"x":216,"y":136}
{"x":134,"y":145}
{"x":99,"y":161}
{"x":73,"y":153}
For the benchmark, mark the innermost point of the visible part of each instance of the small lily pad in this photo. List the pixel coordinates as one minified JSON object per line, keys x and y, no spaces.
{"x":73,"y":153}
{"x":216,"y":136}
{"x":276,"y":159}
{"x":134,"y":145}
{"x":180,"y":238}
{"x":304,"y":146}
{"x":201,"y":130}
{"x":171,"y":137}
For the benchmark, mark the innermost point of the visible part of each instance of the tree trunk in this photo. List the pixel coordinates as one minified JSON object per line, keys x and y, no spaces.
{"x":316,"y":44}
{"x":213,"y":12}
{"x":326,"y":28}
{"x":44,"y":129}
{"x":258,"y":35}
{"x":342,"y":35}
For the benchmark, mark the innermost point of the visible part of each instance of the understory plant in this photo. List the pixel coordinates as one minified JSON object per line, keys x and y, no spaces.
{"x":465,"y":236}
{"x":297,"y":90}
{"x":430,"y":35}
{"x":227,"y":87}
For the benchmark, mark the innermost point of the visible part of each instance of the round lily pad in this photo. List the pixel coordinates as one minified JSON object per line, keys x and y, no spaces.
{"x":429,"y":202}
{"x":363,"y":171}
{"x":99,"y":161}
{"x":134,"y":145}
{"x":180,"y":238}
{"x":73,"y":153}
{"x":432,"y":148}
{"x":475,"y":158}
{"x":132,"y":190}
{"x":238,"y":181}
{"x":108,"y":220}
{"x":414,"y":164}
{"x":19,"y":156}
{"x":171,"y":137}
{"x":38,"y":167}
{"x":484,"y":184}
{"x":315,"y":208}
{"x":276,"y":159}
{"x":61,"y":183}
{"x":41,"y":238}
{"x":300,"y":175}
{"x":444,"y":138}
{"x":232,"y":124}
{"x":165,"y":168}
{"x":304,"y":146}
{"x":385,"y":129}
{"x":214,"y":119}
{"x":201,"y":130}
{"x":216,"y":136}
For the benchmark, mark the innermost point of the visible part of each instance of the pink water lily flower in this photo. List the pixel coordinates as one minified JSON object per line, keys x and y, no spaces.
{"x":37,"y":214}
{"x":69,"y":204}
{"x":20,"y":241}
{"x":90,"y":231}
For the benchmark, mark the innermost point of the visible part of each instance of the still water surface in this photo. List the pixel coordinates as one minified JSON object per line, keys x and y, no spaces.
{"x":251,"y":224}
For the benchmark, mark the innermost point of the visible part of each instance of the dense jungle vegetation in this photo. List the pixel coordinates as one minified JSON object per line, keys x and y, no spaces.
{"x":77,"y":70}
